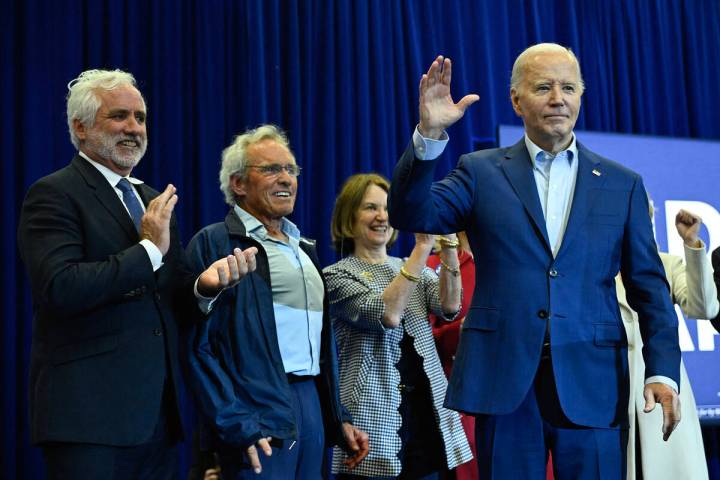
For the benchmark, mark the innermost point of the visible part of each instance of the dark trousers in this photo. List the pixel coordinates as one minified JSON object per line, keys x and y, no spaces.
{"x":298,"y":459}
{"x":154,"y":460}
{"x":516,"y":445}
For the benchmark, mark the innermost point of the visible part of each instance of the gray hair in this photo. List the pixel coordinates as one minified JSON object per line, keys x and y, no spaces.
{"x":518,"y":70}
{"x":83,"y":101}
{"x":234,"y":157}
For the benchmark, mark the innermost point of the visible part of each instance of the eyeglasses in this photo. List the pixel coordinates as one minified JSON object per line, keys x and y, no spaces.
{"x":275,"y":169}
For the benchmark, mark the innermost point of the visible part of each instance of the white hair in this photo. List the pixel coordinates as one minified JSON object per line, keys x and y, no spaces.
{"x":518,"y":70}
{"x":234,"y":157}
{"x":83,"y":101}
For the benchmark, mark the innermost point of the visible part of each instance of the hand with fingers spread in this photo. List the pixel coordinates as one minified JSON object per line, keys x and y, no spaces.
{"x":226,"y":272}
{"x":155,"y":224}
{"x":670,"y":402}
{"x":359,"y":443}
{"x":437,"y":109}
{"x":254,"y":456}
{"x":688,"y":226}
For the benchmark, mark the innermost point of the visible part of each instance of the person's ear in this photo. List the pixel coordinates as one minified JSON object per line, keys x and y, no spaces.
{"x":80,"y":129}
{"x":515,"y":100}
{"x":238,"y":185}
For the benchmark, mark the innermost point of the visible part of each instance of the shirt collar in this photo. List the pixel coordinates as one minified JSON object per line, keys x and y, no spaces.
{"x":534,"y":150}
{"x":253,"y":225}
{"x":112,"y":177}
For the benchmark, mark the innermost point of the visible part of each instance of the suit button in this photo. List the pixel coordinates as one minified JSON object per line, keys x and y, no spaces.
{"x":157,"y":332}
{"x":553,"y":273}
{"x":543,"y":314}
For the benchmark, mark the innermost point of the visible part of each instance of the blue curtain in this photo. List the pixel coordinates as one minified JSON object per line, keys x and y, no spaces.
{"x":341,"y":77}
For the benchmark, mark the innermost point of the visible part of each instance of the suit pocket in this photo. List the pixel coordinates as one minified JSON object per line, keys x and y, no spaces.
{"x":86,"y":348}
{"x":482,"y":318}
{"x":609,"y":335}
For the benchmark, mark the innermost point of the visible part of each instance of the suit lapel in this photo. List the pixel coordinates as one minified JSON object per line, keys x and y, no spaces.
{"x":106,"y":195}
{"x":146,"y":194}
{"x":590,"y":177}
{"x":518,"y":170}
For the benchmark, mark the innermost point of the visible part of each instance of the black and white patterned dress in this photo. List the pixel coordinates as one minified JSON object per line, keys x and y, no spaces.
{"x":369,"y":352}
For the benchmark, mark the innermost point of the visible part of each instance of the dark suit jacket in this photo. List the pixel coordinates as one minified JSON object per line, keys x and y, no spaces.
{"x":104,"y":336}
{"x":716,"y":275}
{"x":521,"y":290}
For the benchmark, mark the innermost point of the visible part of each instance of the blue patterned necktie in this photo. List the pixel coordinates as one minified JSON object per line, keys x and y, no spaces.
{"x":131,"y":202}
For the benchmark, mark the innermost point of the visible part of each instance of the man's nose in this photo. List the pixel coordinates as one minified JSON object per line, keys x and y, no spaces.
{"x":284,"y":177}
{"x":133,"y":126}
{"x":556,"y":96}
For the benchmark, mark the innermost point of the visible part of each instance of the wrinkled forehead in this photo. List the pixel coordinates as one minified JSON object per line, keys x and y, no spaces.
{"x":123,"y":97}
{"x":551,"y":66}
{"x":269,"y":150}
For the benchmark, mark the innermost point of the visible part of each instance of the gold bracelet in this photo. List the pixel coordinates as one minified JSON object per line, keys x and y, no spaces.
{"x":454,"y":271}
{"x":408,"y":275}
{"x":447,"y":243}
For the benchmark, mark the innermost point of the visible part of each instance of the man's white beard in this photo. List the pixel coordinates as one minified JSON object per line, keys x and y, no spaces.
{"x":106,"y":146}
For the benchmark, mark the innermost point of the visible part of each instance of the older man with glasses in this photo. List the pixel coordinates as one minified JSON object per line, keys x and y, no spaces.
{"x":263,"y":365}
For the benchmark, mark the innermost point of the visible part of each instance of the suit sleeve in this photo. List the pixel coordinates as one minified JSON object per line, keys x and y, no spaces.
{"x":416,"y":204}
{"x":51,"y":239}
{"x":647,"y":290}
{"x":234,"y":421}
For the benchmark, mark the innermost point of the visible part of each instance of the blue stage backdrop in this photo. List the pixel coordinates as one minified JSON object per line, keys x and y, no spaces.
{"x":341,"y":76}
{"x":678,"y":173}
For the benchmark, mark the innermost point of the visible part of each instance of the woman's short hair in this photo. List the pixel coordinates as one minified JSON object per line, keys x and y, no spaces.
{"x":342,"y":226}
{"x":234,"y":157}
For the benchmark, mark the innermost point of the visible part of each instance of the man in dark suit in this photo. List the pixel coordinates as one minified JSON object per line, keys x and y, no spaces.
{"x":106,"y":265}
{"x":542,"y":359}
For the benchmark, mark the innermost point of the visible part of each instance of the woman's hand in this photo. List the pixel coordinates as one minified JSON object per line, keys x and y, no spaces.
{"x":425,"y":241}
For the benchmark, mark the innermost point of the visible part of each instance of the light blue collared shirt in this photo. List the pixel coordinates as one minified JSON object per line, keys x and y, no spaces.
{"x":298,"y":294}
{"x":555,"y":178}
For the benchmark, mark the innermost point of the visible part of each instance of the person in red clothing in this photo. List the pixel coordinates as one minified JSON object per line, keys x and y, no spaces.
{"x":447,"y":336}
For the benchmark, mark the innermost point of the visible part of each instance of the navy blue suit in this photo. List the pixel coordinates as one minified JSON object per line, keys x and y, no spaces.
{"x":522,"y":292}
{"x":104,"y":351}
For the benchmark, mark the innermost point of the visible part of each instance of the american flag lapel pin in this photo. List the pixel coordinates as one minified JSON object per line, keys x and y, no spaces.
{"x":596,"y":172}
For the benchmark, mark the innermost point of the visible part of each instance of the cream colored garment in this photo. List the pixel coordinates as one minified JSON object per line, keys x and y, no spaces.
{"x":683,"y":455}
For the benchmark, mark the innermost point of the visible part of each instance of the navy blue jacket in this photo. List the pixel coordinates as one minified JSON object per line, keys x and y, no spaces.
{"x":234,"y":365}
{"x":521,"y":290}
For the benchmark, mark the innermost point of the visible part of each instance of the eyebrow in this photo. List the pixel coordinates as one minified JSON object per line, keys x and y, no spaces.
{"x":125,"y":111}
{"x":551,"y":81}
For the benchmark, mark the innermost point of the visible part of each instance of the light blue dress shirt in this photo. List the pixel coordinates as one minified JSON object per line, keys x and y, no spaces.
{"x":298,"y":294}
{"x":555,"y":177}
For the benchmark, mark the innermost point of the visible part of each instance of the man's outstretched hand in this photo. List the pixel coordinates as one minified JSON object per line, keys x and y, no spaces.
{"x":437,"y":109}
